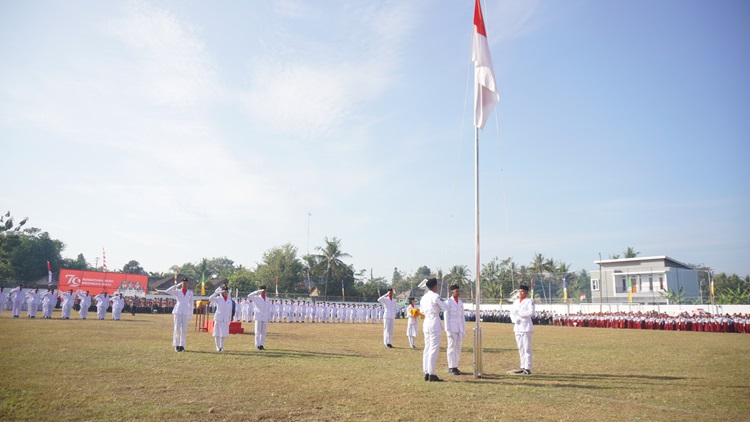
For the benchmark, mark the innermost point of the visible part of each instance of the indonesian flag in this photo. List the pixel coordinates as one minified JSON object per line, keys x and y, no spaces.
{"x":104,"y":260}
{"x":49,"y":274}
{"x":277,"y":287}
{"x":583,"y":296}
{"x":485,"y":89}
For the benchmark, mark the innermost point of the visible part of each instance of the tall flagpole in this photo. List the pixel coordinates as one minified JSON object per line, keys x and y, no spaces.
{"x":478,"y":297}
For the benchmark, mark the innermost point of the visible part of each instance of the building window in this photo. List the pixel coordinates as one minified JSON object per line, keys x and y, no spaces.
{"x":594,"y":284}
{"x":651,"y":283}
{"x":640,"y":283}
{"x":624,"y":285}
{"x":661,"y":282}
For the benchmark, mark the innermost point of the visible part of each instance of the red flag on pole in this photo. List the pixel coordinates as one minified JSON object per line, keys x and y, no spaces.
{"x":49,"y":274}
{"x":277,"y":286}
{"x":485,"y":89}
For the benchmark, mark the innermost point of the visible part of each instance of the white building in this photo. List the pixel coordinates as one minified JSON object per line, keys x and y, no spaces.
{"x":645,"y":278}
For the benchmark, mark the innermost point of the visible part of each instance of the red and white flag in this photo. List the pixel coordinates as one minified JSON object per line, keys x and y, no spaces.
{"x":104,"y":260}
{"x":583,"y":296}
{"x":49,"y":274}
{"x":277,"y":287}
{"x":485,"y":89}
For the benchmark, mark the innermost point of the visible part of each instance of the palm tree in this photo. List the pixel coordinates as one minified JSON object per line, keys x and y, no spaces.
{"x":630,"y":253}
{"x":458,"y":274}
{"x":331,"y":255}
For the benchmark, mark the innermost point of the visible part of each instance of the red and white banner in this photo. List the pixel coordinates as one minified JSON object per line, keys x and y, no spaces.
{"x":96,"y":282}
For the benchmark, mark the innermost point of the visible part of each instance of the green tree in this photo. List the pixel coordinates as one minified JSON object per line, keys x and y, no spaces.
{"x":243,"y":279}
{"x":459,"y":274}
{"x":630,"y":253}
{"x":75,"y":264}
{"x":282,"y":263}
{"x":330,"y":258}
{"x":133,"y":267}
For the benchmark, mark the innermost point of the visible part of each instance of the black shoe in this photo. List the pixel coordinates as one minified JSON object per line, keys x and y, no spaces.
{"x":389,"y":345}
{"x":426,"y":377}
{"x":516,"y":372}
{"x":455,"y":371}
{"x":177,"y":348}
{"x":526,"y":372}
{"x":182,"y":348}
{"x":434,"y":378}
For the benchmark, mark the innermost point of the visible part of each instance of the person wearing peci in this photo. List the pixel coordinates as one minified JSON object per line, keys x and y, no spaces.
{"x":222,"y":316}
{"x":389,"y":316}
{"x":84,"y":302}
{"x":67,"y":299}
{"x":183,"y":310}
{"x":412,"y":313}
{"x":520,"y":315}
{"x":102,"y":303}
{"x":455,"y":328}
{"x":32,"y":302}
{"x":17,"y":296}
{"x":49,"y":300}
{"x":430,"y":306}
{"x":263,"y":309}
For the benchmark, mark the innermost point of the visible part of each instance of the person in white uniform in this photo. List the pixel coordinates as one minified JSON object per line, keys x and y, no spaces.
{"x":102,"y":303}
{"x":262,"y":314}
{"x":49,"y":300}
{"x":32,"y":302}
{"x":183,"y":310}
{"x":118,"y":302}
{"x":430,"y":306}
{"x":520,"y":315}
{"x":84,"y":301}
{"x":3,"y":299}
{"x":412,"y":313}
{"x":222,"y":316}
{"x":389,"y":316}
{"x":455,"y":328}
{"x":17,"y":296}
{"x":66,"y":301}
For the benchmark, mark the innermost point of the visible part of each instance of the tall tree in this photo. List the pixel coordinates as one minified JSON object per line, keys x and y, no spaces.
{"x":330,"y":257}
{"x":133,"y":267}
{"x":630,"y":252}
{"x":282,"y":263}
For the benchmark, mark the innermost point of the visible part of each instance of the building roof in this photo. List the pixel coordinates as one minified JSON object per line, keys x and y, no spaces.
{"x":665,"y":259}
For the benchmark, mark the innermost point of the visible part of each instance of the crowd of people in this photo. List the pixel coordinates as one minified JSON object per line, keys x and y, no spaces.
{"x":698,"y":320}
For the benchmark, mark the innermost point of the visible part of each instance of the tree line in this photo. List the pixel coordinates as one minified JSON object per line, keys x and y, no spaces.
{"x":25,"y":251}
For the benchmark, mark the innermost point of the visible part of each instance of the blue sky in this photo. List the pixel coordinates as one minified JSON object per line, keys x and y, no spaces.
{"x":174,"y":130}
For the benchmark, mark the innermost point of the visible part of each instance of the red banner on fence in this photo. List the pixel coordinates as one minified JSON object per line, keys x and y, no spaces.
{"x":96,"y":282}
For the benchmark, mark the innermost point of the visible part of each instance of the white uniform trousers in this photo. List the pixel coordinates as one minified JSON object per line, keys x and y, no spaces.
{"x":47,"y":310}
{"x":411,"y":330}
{"x":66,"y":311}
{"x":455,"y":340}
{"x":388,"y":330}
{"x":523,"y":340}
{"x":260,"y":332}
{"x":180,"y":329}
{"x":431,"y":349}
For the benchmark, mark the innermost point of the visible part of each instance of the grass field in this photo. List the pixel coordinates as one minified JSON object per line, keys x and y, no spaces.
{"x":127,"y":370}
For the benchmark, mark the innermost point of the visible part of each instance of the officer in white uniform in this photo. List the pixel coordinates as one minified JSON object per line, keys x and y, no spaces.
{"x":183,"y":310}
{"x":17,"y":296}
{"x":520,"y":315}
{"x":118,"y":303}
{"x":389,"y":304}
{"x":430,"y":306}
{"x":455,"y":328}
{"x":263,"y":309}
{"x":222,"y":316}
{"x":3,"y":299}
{"x":412,"y":313}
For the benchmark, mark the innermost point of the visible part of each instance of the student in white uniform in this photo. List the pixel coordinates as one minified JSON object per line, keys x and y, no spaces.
{"x":3,"y":299}
{"x":455,"y":328}
{"x":430,"y":306}
{"x":49,"y":300}
{"x":84,"y":300}
{"x":102,"y":303}
{"x":118,"y":302}
{"x":222,"y":316}
{"x":183,"y":310}
{"x":520,"y":315}
{"x":32,"y":302}
{"x":17,"y":297}
{"x":262,"y":314}
{"x":412,"y":313}
{"x":66,"y":302}
{"x":389,"y":304}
